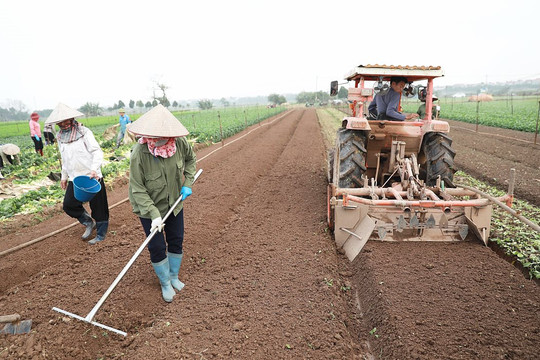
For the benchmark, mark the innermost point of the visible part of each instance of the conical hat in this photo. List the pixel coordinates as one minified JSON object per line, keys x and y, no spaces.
{"x":62,"y":112}
{"x":158,"y":122}
{"x":10,"y":149}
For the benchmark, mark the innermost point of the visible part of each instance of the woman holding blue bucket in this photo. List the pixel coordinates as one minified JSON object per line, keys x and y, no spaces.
{"x":162,"y":169}
{"x":81,"y":163}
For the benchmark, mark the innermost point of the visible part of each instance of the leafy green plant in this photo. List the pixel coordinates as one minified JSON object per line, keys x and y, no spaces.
{"x":517,"y":113}
{"x":204,"y":126}
{"x":515,"y":237}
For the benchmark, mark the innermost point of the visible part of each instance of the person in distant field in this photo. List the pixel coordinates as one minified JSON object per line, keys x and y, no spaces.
{"x":48,"y":134}
{"x":123,"y":120}
{"x":389,"y":104}
{"x":35,"y":133}
{"x":162,"y":169}
{"x":81,"y":155}
{"x":9,"y":155}
{"x":422,"y":108}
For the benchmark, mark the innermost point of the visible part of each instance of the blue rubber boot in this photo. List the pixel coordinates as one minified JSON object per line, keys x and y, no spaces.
{"x":162,"y":271}
{"x":175,"y":260}
{"x":101,"y":231}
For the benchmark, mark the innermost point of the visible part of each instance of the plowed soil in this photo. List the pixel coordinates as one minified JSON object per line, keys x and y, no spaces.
{"x":263,"y":277}
{"x":490,"y":153}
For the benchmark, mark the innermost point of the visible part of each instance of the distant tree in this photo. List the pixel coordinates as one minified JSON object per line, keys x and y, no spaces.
{"x":312,"y":97}
{"x":17,"y":105}
{"x":148,"y":104}
{"x":121,"y":104}
{"x":175,"y":104}
{"x":139,"y":104}
{"x":342,"y":93}
{"x":277,"y":99}
{"x":131,"y":104}
{"x":154,"y":102}
{"x":91,"y":109}
{"x":205,"y":104}
{"x":305,"y":97}
{"x":12,"y":113}
{"x":224,"y":102}
{"x":165,"y":102}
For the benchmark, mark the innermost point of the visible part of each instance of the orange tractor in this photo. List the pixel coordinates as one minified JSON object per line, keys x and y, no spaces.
{"x":393,"y":180}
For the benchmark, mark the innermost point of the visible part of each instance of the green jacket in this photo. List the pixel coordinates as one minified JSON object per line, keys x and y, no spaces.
{"x":155,"y":182}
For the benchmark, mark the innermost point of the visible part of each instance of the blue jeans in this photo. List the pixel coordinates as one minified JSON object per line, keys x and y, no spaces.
{"x":120,"y":137}
{"x":172,"y":237}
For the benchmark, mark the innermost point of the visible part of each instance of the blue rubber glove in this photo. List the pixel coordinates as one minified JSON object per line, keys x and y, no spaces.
{"x":185,"y":192}
{"x":37,"y":137}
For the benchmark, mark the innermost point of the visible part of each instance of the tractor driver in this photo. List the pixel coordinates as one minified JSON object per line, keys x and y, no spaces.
{"x":389,"y":104}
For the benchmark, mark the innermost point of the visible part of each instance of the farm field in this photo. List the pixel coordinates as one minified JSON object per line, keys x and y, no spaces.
{"x":203,"y":125}
{"x":31,"y":176}
{"x":515,"y":113}
{"x":263,"y":279}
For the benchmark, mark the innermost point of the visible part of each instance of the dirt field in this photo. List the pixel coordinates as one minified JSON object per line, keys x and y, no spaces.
{"x":263,"y":278}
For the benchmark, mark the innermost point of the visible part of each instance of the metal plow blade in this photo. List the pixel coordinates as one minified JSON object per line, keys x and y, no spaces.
{"x":358,"y":238}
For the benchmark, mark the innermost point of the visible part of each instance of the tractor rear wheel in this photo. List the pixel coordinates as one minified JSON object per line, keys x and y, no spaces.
{"x":352,"y":157}
{"x":439,"y":155}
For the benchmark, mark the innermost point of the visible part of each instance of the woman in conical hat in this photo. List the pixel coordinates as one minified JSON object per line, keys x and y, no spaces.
{"x":81,"y":155}
{"x":162,"y":169}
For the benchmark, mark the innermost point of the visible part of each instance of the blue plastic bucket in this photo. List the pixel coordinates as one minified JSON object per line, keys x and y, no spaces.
{"x":84,"y":188}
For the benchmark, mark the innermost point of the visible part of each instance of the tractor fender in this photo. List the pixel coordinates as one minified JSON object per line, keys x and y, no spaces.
{"x":435,"y":126}
{"x":355,"y":123}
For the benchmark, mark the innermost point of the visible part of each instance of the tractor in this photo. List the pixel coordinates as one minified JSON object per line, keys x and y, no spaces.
{"x":393,"y":180}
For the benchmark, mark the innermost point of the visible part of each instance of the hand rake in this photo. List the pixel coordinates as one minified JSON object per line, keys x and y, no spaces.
{"x":89,"y":318}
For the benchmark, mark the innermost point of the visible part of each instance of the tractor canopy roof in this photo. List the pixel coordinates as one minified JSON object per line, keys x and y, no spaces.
{"x":385,"y":72}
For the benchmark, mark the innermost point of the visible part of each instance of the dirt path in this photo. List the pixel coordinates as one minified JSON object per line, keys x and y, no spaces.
{"x":263,"y":279}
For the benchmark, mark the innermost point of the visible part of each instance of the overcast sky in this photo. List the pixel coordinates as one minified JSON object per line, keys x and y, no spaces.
{"x":104,"y":51}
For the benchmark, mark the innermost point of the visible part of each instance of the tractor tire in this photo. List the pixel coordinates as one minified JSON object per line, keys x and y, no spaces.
{"x":330,"y":166}
{"x":352,"y":158}
{"x":437,"y":148}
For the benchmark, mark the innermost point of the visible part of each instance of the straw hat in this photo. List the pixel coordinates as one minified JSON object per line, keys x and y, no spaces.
{"x":62,"y":112}
{"x":158,"y":122}
{"x":122,"y":110}
{"x":10,"y":149}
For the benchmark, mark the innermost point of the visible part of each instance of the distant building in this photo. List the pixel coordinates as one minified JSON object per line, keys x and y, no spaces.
{"x":459,"y":95}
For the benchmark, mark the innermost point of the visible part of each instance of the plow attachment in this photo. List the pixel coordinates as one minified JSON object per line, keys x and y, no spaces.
{"x":387,"y":214}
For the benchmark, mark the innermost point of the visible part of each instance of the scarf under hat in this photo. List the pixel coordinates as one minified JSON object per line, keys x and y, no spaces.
{"x":71,"y":134}
{"x":164,"y":147}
